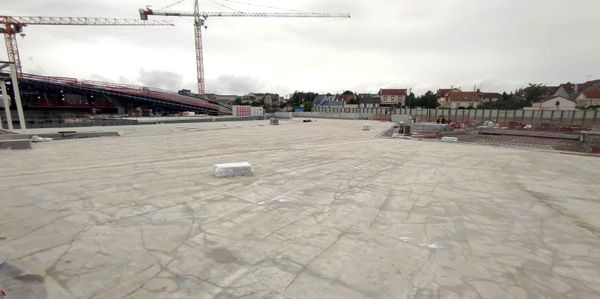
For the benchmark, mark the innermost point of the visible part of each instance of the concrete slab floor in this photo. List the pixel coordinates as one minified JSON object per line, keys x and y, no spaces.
{"x":330,"y":212}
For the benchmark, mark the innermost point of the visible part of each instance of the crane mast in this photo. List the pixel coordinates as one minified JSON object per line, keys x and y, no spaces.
{"x":200,"y":19}
{"x":198,"y":23}
{"x":11,"y":25}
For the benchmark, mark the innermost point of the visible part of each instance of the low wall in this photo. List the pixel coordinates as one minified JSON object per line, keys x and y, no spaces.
{"x":343,"y":115}
{"x":132,"y":122}
{"x":494,"y":131}
{"x":585,"y":118}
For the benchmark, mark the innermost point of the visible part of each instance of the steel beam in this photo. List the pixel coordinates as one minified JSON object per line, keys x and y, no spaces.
{"x":13,"y":51}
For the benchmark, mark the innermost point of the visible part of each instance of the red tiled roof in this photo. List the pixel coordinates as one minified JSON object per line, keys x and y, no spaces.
{"x":592,"y":92}
{"x":442,"y":92}
{"x":490,"y":95}
{"x":392,"y":92}
{"x":463,"y":96}
{"x":586,"y":85}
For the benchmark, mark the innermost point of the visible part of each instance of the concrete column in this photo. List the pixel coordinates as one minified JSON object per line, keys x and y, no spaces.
{"x":6,"y":105}
{"x":15,"y":86}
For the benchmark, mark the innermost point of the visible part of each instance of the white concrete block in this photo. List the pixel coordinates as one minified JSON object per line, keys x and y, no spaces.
{"x":366,"y":127}
{"x":449,"y":139}
{"x":233,"y":169}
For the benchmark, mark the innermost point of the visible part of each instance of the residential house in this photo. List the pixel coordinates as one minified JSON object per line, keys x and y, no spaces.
{"x":347,"y":96}
{"x":209,"y":96}
{"x":456,"y":98}
{"x":583,"y":94}
{"x":392,"y":97}
{"x":225,"y":100}
{"x":489,"y":97}
{"x":589,"y":96}
{"x":552,"y":103}
{"x":442,"y":95}
{"x":328,"y":101}
{"x":367,"y":100}
{"x":269,"y":99}
{"x":463,"y":99}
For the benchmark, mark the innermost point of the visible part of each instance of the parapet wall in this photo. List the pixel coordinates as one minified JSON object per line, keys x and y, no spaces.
{"x":557,"y":117}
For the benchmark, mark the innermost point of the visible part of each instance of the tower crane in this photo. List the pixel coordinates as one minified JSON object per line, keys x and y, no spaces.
{"x":10,"y":26}
{"x":200,"y":20}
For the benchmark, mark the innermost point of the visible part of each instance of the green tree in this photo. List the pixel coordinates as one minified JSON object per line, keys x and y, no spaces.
{"x":532,"y":93}
{"x":428,"y":100}
{"x":299,"y":97}
{"x":307,"y":106}
{"x":411,"y":101}
{"x":506,"y":102}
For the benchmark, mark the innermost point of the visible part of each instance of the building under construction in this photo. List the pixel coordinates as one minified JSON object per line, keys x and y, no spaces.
{"x":50,"y":101}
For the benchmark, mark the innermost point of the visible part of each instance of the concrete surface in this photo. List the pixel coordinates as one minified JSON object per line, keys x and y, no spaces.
{"x":331,"y":212}
{"x":15,"y":144}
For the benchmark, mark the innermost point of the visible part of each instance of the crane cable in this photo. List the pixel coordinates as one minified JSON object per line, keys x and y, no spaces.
{"x":265,"y":6}
{"x":172,"y":4}
{"x":224,"y":5}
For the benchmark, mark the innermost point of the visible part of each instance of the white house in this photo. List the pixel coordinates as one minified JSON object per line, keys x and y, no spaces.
{"x":553,"y":103}
{"x":589,"y":97}
{"x":392,"y":97}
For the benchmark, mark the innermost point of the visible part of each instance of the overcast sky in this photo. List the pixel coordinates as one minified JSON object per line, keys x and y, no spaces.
{"x":499,"y":45}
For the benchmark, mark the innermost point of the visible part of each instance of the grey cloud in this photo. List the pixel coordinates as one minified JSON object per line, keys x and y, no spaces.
{"x":160,"y":79}
{"x":97,"y":77}
{"x":234,"y":84}
{"x":503,"y":44}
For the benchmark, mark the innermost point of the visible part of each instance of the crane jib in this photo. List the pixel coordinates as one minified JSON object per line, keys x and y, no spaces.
{"x":201,"y":16}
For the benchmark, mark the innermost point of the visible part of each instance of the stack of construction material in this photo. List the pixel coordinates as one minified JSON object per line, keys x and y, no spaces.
{"x":233,"y":169}
{"x":449,"y":139}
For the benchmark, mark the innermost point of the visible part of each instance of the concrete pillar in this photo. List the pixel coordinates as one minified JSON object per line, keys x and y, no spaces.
{"x":6,"y":105}
{"x":15,"y":86}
